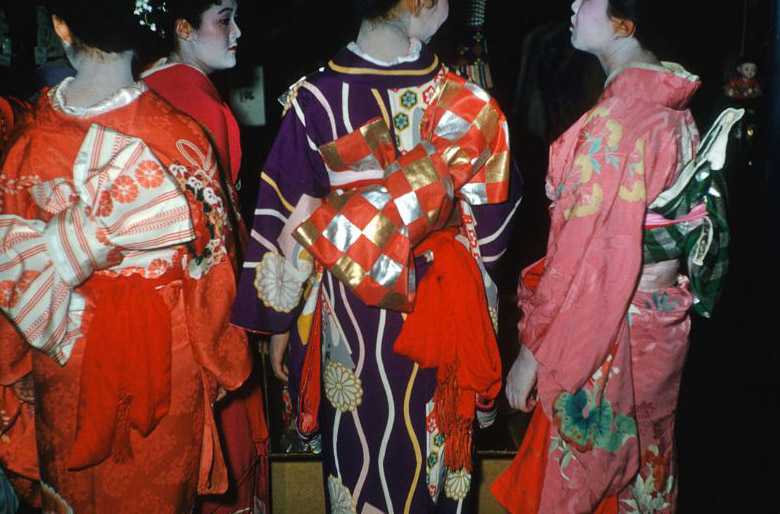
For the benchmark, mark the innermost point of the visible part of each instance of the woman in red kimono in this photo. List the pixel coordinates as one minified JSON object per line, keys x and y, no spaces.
{"x":604,"y":333}
{"x":204,"y":38}
{"x":117,"y":273}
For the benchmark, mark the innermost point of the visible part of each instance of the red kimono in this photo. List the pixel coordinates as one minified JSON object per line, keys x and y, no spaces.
{"x":610,"y":352}
{"x":191,"y":91}
{"x":240,"y":417}
{"x":124,"y":381}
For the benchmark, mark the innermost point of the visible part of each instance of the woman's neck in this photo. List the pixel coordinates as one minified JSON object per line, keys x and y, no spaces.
{"x":98,"y":76}
{"x":183,"y":56}
{"x":623,"y":52}
{"x":384,"y":41}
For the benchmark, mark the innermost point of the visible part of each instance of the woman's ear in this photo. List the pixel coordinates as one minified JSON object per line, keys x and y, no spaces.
{"x":415,"y":6}
{"x":623,"y":28}
{"x":62,"y":30}
{"x":184,"y":29}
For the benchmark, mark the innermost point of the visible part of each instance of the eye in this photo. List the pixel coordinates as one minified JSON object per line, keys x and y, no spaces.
{"x":225,"y":21}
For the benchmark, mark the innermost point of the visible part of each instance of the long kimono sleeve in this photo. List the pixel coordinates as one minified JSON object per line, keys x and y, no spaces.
{"x":494,"y":222}
{"x":594,"y":256}
{"x":273,"y":278}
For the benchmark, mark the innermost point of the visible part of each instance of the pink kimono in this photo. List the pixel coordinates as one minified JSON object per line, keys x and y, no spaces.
{"x":610,"y":356}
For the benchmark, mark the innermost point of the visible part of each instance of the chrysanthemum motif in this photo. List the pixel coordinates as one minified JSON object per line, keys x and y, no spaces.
{"x":124,"y":189}
{"x":149,"y":174}
{"x":458,"y":484}
{"x":277,"y":284}
{"x":342,"y":388}
{"x":340,"y":497}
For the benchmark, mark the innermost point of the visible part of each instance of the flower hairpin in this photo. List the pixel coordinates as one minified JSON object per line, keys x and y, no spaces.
{"x":144,"y":9}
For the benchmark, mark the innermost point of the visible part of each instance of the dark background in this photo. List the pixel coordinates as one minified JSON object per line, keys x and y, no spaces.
{"x":728,"y":417}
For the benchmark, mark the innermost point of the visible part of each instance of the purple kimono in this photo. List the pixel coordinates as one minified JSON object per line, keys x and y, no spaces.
{"x":381,"y":451}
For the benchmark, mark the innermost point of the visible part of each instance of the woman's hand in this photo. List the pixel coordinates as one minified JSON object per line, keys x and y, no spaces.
{"x":24,"y":390}
{"x":521,"y":381}
{"x":277,"y":353}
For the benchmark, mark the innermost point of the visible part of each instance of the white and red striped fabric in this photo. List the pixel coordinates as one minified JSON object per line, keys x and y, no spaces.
{"x":121,"y":204}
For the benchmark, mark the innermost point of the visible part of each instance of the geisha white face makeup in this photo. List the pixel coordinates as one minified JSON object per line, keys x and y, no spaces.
{"x":214,"y":44}
{"x":428,"y":21}
{"x":592,"y":30}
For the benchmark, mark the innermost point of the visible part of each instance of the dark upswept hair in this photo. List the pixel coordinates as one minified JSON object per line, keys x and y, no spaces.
{"x":651,"y":19}
{"x":106,"y":25}
{"x":165,"y":18}
{"x":190,"y":10}
{"x":376,"y":9}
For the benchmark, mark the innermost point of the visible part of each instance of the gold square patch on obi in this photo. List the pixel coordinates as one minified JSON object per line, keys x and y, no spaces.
{"x":307,"y":233}
{"x":454,"y":156}
{"x":348,"y":271}
{"x":379,"y":230}
{"x":497,"y":167}
{"x":376,"y":135}
{"x":488,"y":122}
{"x":420,"y":173}
{"x":330,"y":154}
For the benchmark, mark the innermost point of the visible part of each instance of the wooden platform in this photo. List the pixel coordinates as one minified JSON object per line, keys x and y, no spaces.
{"x":297,"y":487}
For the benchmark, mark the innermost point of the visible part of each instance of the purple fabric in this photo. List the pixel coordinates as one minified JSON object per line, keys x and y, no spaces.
{"x":373,"y":444}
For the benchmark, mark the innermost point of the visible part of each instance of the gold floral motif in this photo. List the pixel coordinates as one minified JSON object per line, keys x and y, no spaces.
{"x":343,"y":389}
{"x":587,"y":205}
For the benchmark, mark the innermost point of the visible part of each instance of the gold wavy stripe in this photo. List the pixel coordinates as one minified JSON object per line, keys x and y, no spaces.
{"x":264,"y":176}
{"x":381,"y":104}
{"x":371,"y":71}
{"x":415,"y":443}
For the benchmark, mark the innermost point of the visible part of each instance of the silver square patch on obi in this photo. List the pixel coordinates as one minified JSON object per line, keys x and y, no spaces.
{"x":342,"y":232}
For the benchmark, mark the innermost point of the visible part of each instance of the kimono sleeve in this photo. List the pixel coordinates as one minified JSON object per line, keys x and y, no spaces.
{"x":494,"y":222}
{"x":15,"y":360}
{"x":594,"y":258}
{"x":272,"y":281}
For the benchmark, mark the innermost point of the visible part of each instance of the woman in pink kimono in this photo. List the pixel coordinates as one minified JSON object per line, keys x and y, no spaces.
{"x":604,"y":331}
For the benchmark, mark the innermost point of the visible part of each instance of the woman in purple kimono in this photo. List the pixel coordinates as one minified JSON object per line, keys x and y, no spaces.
{"x":388,"y":169}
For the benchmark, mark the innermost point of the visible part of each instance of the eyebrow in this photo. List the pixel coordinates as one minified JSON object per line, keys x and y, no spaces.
{"x":226,"y":9}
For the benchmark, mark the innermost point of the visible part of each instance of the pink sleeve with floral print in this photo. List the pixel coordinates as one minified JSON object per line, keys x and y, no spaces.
{"x":602,"y":172}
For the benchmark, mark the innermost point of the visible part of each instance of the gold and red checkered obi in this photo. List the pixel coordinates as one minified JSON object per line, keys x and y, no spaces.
{"x":365,"y":236}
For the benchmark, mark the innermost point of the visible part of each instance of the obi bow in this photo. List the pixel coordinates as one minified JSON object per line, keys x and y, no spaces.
{"x":121,"y":201}
{"x":365,"y":236}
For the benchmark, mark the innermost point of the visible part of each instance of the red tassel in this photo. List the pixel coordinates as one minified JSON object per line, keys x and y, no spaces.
{"x":457,"y":429}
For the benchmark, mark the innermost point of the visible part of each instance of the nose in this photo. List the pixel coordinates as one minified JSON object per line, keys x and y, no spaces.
{"x":575,"y":6}
{"x":236,"y":31}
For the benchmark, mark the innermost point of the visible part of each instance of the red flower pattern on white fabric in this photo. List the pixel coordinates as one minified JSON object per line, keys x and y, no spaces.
{"x":124,"y":189}
{"x":149,"y":174}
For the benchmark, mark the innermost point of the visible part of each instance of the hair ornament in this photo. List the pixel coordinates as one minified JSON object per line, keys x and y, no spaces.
{"x":145,"y":10}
